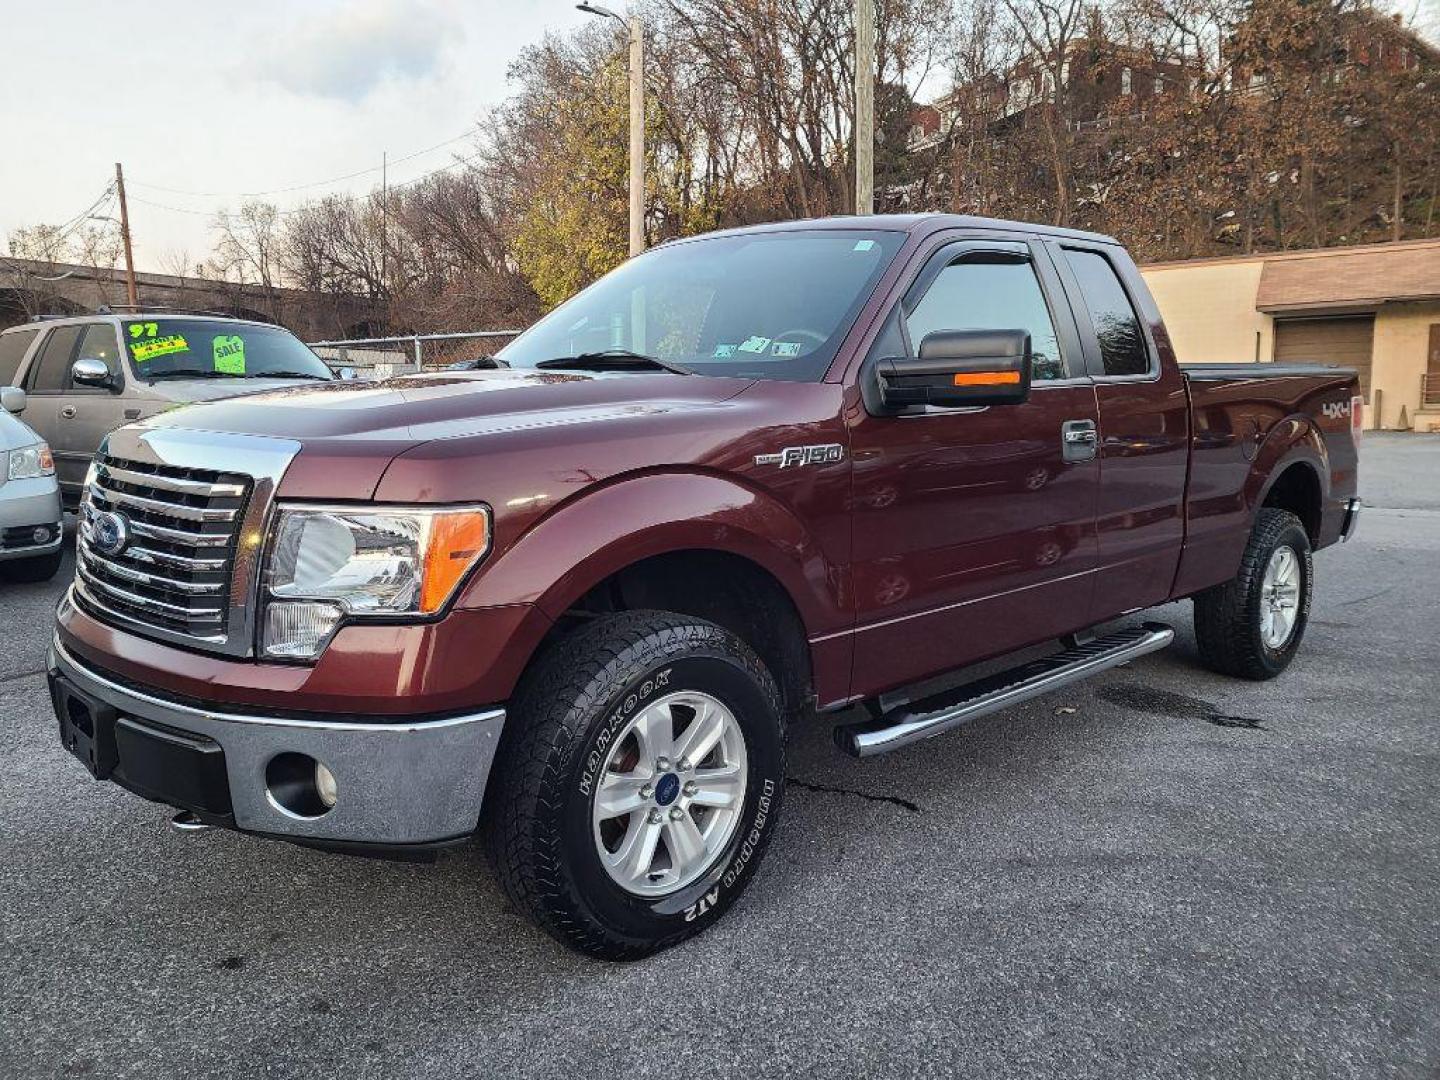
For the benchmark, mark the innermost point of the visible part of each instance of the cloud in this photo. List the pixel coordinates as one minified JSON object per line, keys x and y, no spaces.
{"x":351,"y":50}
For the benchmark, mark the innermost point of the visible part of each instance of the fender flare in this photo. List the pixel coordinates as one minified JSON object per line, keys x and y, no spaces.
{"x":607,"y":528}
{"x":1294,"y":439}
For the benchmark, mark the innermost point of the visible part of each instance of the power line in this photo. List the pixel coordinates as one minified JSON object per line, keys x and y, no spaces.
{"x":305,"y":206}
{"x":298,"y":187}
{"x":71,"y":223}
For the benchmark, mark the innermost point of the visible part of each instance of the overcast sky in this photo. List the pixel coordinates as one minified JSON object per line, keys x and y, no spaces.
{"x":204,"y":96}
{"x":240,"y":97}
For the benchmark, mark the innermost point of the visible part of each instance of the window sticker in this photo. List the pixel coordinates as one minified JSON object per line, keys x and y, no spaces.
{"x":149,"y":348}
{"x":229,"y":353}
{"x":143,"y":329}
{"x":724,"y":350}
{"x":785,"y":348}
{"x":755,"y":344}
{"x":863,"y":245}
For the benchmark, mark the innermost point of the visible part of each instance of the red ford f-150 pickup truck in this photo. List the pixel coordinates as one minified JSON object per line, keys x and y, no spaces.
{"x":572,"y":603}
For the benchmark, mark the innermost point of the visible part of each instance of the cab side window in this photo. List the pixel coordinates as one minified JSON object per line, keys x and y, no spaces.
{"x":51,"y":371}
{"x":12,"y":351}
{"x":1122,"y":344}
{"x":990,"y":291}
{"x":101,"y":343}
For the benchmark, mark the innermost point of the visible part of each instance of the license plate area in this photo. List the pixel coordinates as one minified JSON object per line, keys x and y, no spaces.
{"x":162,"y":763}
{"x":87,"y":728}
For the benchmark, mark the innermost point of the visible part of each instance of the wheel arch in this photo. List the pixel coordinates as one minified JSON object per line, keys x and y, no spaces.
{"x":650,"y":542}
{"x":1291,"y":472}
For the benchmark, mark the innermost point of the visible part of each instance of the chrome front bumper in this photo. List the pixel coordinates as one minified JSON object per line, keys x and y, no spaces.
{"x":397,"y":783}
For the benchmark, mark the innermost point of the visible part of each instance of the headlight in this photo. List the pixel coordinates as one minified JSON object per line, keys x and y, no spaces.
{"x":328,"y":564}
{"x":29,"y":462}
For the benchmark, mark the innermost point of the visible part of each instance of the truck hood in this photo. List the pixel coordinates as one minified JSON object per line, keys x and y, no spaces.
{"x":183,"y":391}
{"x":350,"y":432}
{"x":418,"y":408}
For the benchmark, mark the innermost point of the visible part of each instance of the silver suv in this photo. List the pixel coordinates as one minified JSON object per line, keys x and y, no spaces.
{"x":88,"y":375}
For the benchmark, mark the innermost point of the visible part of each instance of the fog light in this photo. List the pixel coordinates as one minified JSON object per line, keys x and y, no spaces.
{"x":41,"y":535}
{"x":325,"y":784}
{"x":299,"y":630}
{"x":295,"y":783}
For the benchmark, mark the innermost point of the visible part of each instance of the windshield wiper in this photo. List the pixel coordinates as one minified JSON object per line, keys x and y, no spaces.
{"x":283,"y":375}
{"x":613,"y":360}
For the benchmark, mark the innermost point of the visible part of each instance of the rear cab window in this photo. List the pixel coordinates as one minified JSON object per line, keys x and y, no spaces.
{"x":13,"y":347}
{"x":1124,"y":351}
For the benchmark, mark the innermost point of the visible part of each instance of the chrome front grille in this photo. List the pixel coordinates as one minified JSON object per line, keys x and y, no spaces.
{"x":194,"y":507}
{"x":174,"y":571}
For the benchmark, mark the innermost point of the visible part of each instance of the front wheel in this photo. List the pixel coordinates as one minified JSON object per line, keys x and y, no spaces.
{"x":1251,"y":626}
{"x":639,"y":783}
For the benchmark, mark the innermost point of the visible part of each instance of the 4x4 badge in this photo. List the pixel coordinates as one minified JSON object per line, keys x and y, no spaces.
{"x":827,"y":454}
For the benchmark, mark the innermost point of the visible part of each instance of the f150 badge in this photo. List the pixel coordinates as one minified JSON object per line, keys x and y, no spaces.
{"x":827,"y":454}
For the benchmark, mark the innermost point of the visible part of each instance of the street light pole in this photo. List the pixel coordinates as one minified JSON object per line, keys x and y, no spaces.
{"x":864,"y":106}
{"x":635,"y":31}
{"x":637,"y":136}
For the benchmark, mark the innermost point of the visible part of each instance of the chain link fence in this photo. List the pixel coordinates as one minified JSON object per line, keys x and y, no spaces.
{"x":382,"y":357}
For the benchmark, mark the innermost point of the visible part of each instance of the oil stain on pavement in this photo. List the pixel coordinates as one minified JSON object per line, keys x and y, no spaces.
{"x":1156,"y":702}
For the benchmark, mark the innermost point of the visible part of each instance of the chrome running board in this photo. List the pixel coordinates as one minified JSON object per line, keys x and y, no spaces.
{"x":918,"y":720}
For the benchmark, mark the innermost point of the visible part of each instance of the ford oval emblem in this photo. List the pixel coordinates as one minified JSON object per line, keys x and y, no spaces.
{"x":109,"y":532}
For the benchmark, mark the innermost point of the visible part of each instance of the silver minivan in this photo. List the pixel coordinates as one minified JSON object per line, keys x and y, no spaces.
{"x":88,"y":375}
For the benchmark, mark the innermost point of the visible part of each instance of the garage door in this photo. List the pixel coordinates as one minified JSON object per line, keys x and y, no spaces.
{"x":1342,"y":342}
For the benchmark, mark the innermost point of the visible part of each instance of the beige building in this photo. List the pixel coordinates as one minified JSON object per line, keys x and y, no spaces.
{"x":1375,"y":307}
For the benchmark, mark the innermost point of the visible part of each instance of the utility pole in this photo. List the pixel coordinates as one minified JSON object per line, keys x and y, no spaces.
{"x":637,"y":136}
{"x":864,"y":106}
{"x":636,"y":32}
{"x":384,"y":212}
{"x":131,"y":295}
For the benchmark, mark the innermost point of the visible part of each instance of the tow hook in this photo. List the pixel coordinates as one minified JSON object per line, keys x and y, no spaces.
{"x":186,"y":821}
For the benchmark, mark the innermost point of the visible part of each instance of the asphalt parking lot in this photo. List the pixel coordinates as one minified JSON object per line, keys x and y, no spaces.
{"x":1160,"y":872}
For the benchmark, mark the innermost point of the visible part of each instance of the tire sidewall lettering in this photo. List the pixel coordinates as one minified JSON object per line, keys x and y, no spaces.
{"x":708,"y":897}
{"x":618,"y":718}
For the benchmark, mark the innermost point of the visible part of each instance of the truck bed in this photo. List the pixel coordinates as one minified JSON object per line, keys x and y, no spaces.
{"x":1243,"y":416}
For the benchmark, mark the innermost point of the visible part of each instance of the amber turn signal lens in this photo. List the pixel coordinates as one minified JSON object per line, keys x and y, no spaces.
{"x":987,"y":378}
{"x":456,"y":543}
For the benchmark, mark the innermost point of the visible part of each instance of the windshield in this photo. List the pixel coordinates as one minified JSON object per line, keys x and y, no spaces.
{"x":218,"y":349}
{"x":759,"y":305}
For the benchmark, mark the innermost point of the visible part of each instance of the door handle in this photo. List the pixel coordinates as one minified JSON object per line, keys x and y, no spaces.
{"x":1079,"y":439}
{"x":68,"y":412}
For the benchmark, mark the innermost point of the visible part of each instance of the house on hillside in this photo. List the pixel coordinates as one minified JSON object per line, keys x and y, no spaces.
{"x":1102,"y":82}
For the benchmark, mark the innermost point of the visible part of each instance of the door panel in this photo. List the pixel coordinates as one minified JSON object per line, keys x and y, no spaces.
{"x":88,"y":413}
{"x":1144,"y":428}
{"x":44,"y":386}
{"x":973,"y":535}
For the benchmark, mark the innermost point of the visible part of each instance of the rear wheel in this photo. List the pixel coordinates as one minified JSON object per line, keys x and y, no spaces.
{"x":39,"y":568}
{"x":1251,"y":626}
{"x":639,"y":783}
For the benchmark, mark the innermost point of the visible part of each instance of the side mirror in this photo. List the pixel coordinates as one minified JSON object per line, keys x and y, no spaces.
{"x":12,"y":399}
{"x":959,"y":368}
{"x":88,"y":371}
